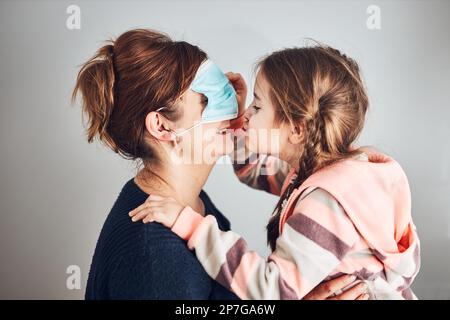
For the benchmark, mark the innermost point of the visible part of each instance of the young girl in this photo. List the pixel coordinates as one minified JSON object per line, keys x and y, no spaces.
{"x":342,"y":210}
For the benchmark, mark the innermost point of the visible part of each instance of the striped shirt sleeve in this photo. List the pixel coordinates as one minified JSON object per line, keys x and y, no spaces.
{"x":259,"y":171}
{"x":313,"y":242}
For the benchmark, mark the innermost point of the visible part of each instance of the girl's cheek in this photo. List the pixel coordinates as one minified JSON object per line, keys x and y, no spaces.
{"x":253,"y":121}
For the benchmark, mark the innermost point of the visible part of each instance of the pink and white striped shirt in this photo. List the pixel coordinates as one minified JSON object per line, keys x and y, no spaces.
{"x":353,"y":217}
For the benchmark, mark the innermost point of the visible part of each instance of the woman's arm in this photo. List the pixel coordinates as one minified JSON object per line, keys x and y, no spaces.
{"x":314,"y":240}
{"x":164,"y":270}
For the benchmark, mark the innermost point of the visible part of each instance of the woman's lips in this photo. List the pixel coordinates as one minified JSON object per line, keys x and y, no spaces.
{"x":222,"y":130}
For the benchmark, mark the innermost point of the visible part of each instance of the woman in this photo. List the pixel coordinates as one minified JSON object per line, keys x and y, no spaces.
{"x":136,"y":93}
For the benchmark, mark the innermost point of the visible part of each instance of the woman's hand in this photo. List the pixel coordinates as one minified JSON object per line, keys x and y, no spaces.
{"x":332,"y":290}
{"x":239,"y":85}
{"x":157,"y":209}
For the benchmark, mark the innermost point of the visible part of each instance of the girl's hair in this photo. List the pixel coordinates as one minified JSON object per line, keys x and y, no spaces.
{"x":139,"y":72}
{"x":320,"y":90}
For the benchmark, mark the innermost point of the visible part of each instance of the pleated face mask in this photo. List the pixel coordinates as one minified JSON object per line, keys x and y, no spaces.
{"x":213,"y":83}
{"x":222,"y":101}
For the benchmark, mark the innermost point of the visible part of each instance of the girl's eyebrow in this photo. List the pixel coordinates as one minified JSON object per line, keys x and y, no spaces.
{"x":256,"y":96}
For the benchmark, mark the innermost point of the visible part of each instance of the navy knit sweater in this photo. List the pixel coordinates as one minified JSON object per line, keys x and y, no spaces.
{"x":133,"y":260}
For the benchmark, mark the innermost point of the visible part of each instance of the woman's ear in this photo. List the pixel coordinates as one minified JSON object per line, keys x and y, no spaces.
{"x":156,"y":126}
{"x":296,"y":134}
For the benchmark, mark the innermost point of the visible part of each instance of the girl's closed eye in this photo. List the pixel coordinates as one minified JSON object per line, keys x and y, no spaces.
{"x":256,"y":108}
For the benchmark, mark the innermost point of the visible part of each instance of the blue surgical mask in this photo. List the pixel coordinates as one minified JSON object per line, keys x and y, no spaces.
{"x":222,"y":101}
{"x":214,"y":84}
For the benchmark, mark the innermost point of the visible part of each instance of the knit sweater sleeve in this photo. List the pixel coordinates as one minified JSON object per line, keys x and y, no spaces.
{"x":163,"y":271}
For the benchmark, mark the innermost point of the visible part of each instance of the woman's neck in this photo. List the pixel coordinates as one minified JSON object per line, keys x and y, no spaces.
{"x":183,"y":182}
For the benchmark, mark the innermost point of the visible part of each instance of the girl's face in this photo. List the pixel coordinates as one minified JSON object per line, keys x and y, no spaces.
{"x":264,"y":134}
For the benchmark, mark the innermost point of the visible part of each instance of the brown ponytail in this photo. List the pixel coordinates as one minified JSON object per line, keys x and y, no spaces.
{"x":319,"y":89}
{"x":96,"y":82}
{"x":139,"y":72}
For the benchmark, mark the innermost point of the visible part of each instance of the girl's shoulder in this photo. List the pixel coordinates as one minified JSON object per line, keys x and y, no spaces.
{"x":316,"y":203}
{"x":319,"y":198}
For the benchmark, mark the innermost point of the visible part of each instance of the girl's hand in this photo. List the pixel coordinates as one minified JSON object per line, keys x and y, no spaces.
{"x":157,"y":209}
{"x":334,"y":290}
{"x":239,"y":85}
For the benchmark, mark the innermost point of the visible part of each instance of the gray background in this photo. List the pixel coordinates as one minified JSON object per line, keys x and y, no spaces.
{"x":56,"y":189}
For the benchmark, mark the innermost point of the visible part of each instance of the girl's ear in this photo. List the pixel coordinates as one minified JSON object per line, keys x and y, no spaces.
{"x":156,"y":126}
{"x":296,"y":134}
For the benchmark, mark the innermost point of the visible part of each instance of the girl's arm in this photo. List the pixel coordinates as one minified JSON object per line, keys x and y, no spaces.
{"x":313,"y":242}
{"x":259,"y":171}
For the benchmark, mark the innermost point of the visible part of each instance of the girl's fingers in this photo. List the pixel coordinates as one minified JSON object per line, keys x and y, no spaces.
{"x":238,"y":82}
{"x":147,"y":204}
{"x":145,"y":212}
{"x":235,"y":79}
{"x":151,"y":217}
{"x":138,"y":209}
{"x":142,"y":214}
{"x":230,"y":75}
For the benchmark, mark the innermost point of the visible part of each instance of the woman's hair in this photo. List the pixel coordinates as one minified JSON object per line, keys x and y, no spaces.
{"x":139,"y":72}
{"x":319,"y":90}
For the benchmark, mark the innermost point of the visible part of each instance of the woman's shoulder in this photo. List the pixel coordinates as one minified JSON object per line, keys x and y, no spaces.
{"x":121,"y":235}
{"x":120,"y":232}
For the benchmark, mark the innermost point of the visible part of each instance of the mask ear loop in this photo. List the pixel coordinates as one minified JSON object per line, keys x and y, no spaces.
{"x":176,"y":134}
{"x":180,"y":133}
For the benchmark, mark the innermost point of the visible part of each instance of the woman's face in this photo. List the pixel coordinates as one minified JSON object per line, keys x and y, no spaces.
{"x":264,"y":134}
{"x":206,"y":142}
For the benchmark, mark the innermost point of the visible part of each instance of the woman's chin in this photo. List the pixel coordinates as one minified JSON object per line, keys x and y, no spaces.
{"x":225,"y":145}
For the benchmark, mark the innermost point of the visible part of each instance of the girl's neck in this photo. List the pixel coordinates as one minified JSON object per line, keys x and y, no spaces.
{"x":293,"y":162}
{"x":182,"y":182}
